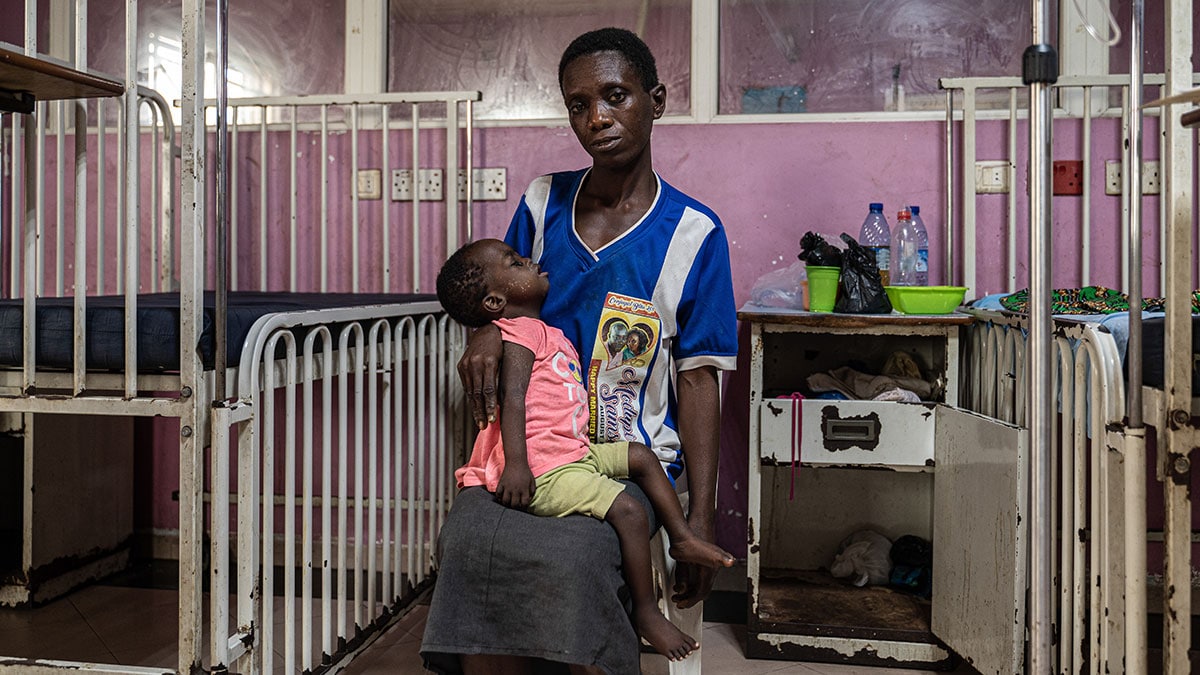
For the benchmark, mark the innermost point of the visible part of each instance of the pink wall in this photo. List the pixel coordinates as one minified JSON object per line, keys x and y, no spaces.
{"x":769,"y":183}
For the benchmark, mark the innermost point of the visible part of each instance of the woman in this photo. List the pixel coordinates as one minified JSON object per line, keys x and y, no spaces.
{"x":516,"y":592}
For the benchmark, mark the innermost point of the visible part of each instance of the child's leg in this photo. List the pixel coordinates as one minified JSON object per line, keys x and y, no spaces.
{"x":646,"y":470}
{"x":628,"y":518}
{"x":583,"y":487}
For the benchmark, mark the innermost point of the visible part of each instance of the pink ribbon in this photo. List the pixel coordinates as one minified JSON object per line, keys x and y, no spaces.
{"x":797,"y":417}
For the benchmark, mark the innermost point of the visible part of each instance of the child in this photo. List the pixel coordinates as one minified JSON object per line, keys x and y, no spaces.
{"x":538,"y":457}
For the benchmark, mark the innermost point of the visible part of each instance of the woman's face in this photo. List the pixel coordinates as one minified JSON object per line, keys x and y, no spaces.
{"x":610,"y":112}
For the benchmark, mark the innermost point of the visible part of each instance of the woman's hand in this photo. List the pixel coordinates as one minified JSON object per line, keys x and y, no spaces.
{"x":516,"y":486}
{"x":479,"y":371}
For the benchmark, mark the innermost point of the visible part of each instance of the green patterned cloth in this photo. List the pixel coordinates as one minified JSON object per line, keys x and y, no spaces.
{"x":1089,"y":300}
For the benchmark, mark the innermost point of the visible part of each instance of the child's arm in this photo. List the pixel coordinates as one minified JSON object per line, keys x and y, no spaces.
{"x":516,"y":482}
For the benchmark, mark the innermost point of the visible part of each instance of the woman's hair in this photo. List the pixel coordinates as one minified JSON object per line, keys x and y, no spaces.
{"x":461,"y":287}
{"x":625,"y":42}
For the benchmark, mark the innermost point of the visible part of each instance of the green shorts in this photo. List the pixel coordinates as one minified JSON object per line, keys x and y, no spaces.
{"x":586,"y":486}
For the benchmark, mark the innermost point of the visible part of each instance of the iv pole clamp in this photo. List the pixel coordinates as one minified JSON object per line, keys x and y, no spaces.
{"x":1039,"y":64}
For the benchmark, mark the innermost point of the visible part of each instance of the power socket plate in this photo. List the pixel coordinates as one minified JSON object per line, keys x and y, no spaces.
{"x":429,"y":184}
{"x":991,"y":176}
{"x":1068,"y":177}
{"x":367,"y":183}
{"x":1151,"y":177}
{"x":489,"y":184}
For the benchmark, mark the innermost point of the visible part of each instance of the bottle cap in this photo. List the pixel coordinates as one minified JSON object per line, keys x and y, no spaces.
{"x":903,"y":214}
{"x":916,"y":210}
{"x":877,"y":206}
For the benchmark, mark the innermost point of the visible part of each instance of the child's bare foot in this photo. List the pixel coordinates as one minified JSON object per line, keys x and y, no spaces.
{"x":699,"y":552}
{"x":663,"y":635}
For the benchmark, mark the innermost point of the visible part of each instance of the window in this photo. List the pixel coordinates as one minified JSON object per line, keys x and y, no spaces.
{"x":833,"y":56}
{"x":273,"y":49}
{"x":1153,"y":60}
{"x":509,"y":49}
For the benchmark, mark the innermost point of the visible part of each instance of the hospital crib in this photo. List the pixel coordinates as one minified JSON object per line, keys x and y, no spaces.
{"x":1099,"y":484}
{"x":314,"y":408}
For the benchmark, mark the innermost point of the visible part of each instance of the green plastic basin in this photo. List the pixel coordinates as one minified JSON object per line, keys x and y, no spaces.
{"x":925,"y":299}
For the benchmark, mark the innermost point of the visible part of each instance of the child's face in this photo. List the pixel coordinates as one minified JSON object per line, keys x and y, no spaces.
{"x":519,"y":279}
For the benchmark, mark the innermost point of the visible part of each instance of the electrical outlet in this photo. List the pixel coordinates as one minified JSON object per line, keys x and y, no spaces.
{"x":1112,"y":177}
{"x":991,"y":176}
{"x":368,"y":183}
{"x":1151,"y":178}
{"x":402,"y":185}
{"x":1151,"y":181}
{"x":429,"y":184}
{"x":1068,"y":177}
{"x":489,"y":184}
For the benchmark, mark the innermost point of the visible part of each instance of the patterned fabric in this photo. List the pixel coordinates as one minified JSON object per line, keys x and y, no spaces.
{"x":1089,"y":300}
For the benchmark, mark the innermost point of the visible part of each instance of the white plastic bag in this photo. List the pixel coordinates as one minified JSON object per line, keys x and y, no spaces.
{"x":783,"y":288}
{"x":865,"y":557}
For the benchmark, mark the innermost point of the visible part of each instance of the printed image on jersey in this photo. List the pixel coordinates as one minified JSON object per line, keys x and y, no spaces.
{"x":626,"y":345}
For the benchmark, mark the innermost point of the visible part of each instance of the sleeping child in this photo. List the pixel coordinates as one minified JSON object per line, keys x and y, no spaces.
{"x":538,"y":457}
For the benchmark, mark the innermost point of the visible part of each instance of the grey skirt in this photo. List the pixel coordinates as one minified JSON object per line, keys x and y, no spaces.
{"x":510,"y":583}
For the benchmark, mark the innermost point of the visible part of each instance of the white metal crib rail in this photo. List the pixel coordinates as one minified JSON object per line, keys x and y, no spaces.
{"x":343,"y":419}
{"x":1089,"y":495}
{"x":1077,"y":96}
{"x":309,"y":151}
{"x":57,"y":221}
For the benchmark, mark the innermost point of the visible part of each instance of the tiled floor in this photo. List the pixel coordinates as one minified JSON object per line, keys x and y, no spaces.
{"x":395,"y":653}
{"x":137,"y":626}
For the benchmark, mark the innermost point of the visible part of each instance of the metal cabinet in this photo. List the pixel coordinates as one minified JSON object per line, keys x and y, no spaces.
{"x":821,"y":469}
{"x":67,"y":513}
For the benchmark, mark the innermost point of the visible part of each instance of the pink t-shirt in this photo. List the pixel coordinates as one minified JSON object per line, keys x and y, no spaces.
{"x":556,"y":409}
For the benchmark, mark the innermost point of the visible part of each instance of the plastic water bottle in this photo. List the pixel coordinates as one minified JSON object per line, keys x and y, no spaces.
{"x":877,"y":238}
{"x":904,"y":251}
{"x":922,"y":246}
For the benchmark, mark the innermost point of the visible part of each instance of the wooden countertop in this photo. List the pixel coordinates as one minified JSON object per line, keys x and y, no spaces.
{"x":795,"y":317}
{"x":24,"y":79}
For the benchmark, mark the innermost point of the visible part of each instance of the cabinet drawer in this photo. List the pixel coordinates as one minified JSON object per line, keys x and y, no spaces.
{"x":849,"y":433}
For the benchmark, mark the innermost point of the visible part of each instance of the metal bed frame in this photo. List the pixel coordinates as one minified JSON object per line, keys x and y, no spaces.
{"x":1061,"y":380}
{"x":257,"y":442}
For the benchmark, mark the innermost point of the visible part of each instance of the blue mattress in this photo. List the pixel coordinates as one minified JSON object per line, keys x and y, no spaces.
{"x":157,"y":326}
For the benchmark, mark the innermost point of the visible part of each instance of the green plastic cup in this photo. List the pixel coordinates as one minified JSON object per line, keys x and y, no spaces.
{"x":822,"y":287}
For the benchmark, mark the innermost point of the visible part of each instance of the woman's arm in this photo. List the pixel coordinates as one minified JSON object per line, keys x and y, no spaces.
{"x":516,"y":481}
{"x":699,"y":434}
{"x":479,"y":369}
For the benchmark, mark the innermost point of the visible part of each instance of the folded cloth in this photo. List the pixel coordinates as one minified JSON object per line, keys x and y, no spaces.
{"x":897,"y":394}
{"x":859,"y":385}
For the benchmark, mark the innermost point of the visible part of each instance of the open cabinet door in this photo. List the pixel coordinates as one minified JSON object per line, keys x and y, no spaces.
{"x":979,"y":551}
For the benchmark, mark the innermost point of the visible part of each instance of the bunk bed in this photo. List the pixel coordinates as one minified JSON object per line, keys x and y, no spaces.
{"x":316,"y":430}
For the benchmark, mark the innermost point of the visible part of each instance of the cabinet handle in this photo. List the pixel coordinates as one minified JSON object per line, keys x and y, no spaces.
{"x":866,"y":431}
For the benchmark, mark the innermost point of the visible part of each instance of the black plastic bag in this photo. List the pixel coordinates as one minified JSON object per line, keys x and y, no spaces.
{"x":860,"y":290}
{"x":912,"y":565}
{"x":815,"y":251}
